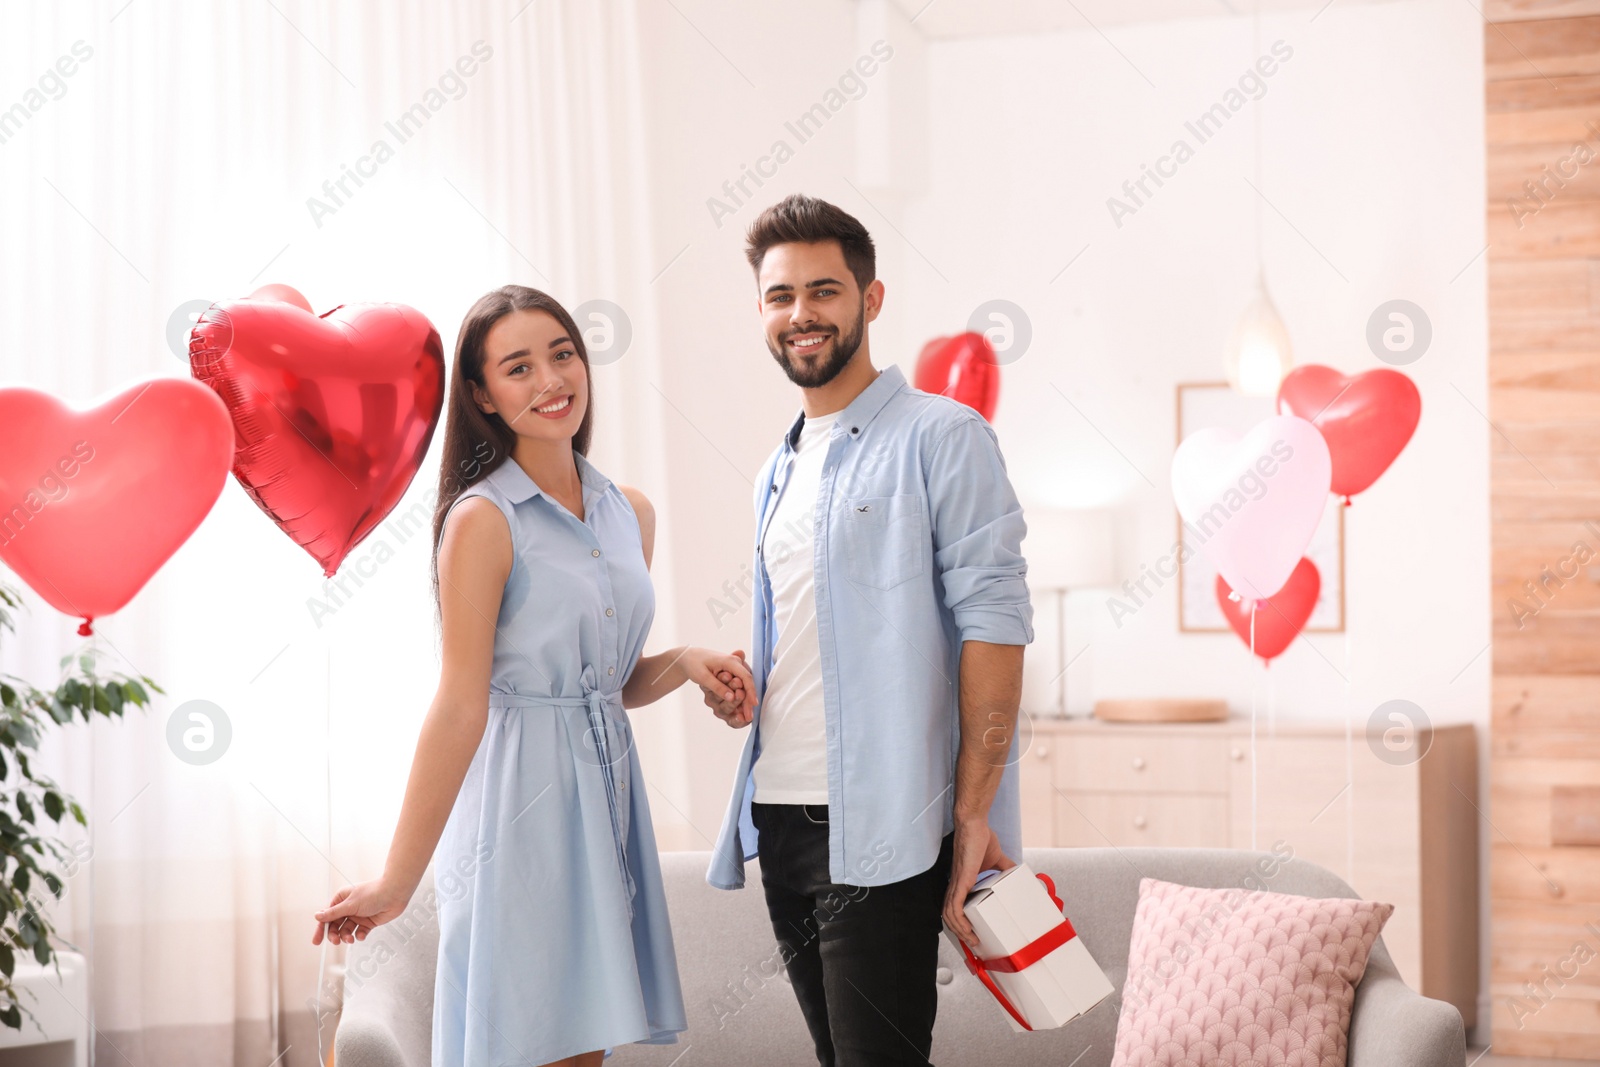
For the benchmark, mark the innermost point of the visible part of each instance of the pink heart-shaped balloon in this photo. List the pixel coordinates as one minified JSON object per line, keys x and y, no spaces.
{"x":333,"y":413}
{"x":96,"y":501}
{"x":1366,"y":418}
{"x":1251,"y":503}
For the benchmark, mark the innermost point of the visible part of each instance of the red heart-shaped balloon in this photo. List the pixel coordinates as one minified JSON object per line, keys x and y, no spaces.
{"x":1280,"y":616}
{"x":1366,"y":418}
{"x":333,"y":414}
{"x":96,"y":501}
{"x":962,"y":367}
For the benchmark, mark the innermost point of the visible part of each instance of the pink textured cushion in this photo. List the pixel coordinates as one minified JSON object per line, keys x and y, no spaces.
{"x":1230,"y":977}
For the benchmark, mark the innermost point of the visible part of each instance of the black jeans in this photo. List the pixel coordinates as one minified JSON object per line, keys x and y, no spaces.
{"x":861,"y":959}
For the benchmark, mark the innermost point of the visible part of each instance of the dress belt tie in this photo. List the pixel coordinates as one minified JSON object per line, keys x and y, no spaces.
{"x":594,"y":702}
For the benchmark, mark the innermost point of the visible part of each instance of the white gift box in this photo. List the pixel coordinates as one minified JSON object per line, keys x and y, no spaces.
{"x":1028,"y":954}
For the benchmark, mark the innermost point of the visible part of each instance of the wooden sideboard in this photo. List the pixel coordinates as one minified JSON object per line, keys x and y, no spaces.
{"x":1415,"y":840}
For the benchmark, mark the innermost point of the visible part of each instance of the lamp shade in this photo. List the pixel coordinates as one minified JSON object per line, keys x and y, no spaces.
{"x":1259,"y":353}
{"x":1069,"y":549}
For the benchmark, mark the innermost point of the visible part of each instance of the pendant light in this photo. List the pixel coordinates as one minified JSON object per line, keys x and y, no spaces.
{"x":1258,"y":353}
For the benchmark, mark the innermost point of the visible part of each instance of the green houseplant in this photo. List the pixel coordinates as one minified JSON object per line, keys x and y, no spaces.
{"x":31,"y":859}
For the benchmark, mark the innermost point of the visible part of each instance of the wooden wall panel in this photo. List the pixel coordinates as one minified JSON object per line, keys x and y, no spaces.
{"x":1542,"y":135}
{"x":1548,"y":48}
{"x":1514,"y":10}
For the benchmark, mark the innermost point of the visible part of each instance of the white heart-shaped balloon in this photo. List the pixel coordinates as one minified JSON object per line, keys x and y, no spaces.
{"x":1251,"y":502}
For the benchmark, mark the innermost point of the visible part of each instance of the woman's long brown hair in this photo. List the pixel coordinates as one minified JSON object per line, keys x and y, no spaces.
{"x":475,"y":442}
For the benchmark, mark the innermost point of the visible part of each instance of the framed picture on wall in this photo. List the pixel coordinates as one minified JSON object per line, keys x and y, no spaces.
{"x":1216,"y":405}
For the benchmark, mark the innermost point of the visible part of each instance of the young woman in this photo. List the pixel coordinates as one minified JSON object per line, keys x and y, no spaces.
{"x":553,"y":935}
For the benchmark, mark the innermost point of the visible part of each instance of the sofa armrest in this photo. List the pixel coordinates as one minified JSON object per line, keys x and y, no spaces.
{"x":387,"y":1018}
{"x":387,"y":1015}
{"x":1392,"y":1025}
{"x":368,"y":1039}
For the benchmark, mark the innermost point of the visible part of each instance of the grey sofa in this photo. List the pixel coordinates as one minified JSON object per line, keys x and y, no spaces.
{"x":740,"y":1014}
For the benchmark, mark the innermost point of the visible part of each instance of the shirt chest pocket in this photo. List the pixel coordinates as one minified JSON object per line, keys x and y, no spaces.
{"x":886,"y":540}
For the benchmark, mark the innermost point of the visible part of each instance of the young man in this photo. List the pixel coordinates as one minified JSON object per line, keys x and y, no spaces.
{"x":879,"y":777}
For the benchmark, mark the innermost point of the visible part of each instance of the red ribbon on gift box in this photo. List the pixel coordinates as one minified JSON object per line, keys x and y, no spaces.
{"x":1024,"y":957}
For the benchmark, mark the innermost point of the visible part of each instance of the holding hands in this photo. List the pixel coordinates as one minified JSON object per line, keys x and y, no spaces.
{"x":738,"y":708}
{"x":726,"y":681}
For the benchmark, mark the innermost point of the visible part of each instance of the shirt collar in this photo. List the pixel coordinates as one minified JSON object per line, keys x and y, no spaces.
{"x":514,"y":482}
{"x":862,"y":409}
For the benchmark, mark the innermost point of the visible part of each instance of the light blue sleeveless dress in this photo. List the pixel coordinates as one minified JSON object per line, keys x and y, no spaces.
{"x":553,"y":932}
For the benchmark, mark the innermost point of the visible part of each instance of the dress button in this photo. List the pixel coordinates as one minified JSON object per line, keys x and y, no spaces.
{"x":609,"y":612}
{"x":596,"y":552}
{"x":611,"y":670}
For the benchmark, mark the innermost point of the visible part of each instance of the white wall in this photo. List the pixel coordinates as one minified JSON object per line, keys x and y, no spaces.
{"x":1004,"y":152}
{"x":722,"y":85}
{"x":1373,"y":174}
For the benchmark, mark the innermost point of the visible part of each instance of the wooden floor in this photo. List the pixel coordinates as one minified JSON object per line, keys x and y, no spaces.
{"x":1477,"y":1057}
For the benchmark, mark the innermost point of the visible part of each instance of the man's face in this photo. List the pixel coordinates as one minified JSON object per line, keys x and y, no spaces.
{"x":812,"y":311}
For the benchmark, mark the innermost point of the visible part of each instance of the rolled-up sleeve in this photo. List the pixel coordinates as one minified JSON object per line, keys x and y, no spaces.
{"x":977,"y":536}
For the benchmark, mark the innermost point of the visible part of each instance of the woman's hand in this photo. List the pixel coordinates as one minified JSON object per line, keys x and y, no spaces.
{"x":726,"y":680}
{"x":356,"y":909}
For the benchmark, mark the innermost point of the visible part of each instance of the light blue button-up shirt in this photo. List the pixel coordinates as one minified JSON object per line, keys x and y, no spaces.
{"x":917,"y":548}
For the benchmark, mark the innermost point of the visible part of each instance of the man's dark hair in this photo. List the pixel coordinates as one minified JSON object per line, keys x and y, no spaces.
{"x":798,"y":217}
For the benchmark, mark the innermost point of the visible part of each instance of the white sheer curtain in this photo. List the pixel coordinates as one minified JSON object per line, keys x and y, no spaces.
{"x":176,"y":164}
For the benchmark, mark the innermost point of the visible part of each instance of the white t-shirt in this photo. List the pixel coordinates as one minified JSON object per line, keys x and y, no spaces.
{"x":793,"y":765}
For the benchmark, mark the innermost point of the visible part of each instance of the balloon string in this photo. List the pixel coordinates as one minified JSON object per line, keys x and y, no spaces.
{"x":1254,"y":687}
{"x":1272,"y":700}
{"x":1349,"y":756}
{"x":327,"y":763}
{"x":94,"y":641}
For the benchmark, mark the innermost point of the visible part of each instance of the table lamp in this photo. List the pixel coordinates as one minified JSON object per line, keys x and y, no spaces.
{"x":1066,"y":550}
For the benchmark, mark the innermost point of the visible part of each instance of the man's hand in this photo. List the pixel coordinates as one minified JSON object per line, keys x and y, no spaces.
{"x":739,"y":711}
{"x":977,"y":849}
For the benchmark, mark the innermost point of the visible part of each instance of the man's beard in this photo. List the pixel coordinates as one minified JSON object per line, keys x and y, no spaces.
{"x":844,"y":349}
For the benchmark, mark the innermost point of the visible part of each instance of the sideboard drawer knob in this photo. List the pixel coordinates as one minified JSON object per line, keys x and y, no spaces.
{"x":1139,"y":822}
{"x":1138,"y":763}
{"x":1237,"y":754}
{"x":1044,"y":752}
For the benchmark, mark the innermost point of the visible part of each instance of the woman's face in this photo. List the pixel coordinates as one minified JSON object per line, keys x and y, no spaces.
{"x":534,"y":377}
